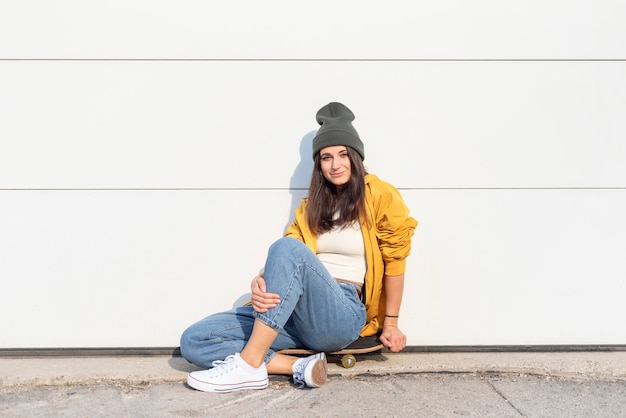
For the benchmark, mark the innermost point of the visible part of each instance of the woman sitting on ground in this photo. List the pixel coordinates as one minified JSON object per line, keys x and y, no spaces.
{"x":336,"y":275}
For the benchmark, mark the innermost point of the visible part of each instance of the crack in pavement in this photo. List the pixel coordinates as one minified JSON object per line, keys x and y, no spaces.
{"x":496,"y":390}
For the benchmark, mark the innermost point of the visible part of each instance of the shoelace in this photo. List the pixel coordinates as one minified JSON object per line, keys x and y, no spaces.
{"x":298,"y":375}
{"x":222,"y":366}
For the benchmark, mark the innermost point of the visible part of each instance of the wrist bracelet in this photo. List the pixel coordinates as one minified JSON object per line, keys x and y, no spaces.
{"x":391,"y":316}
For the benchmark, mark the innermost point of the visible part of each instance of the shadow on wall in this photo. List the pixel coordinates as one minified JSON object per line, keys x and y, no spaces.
{"x":298,"y":187}
{"x":299,"y":183}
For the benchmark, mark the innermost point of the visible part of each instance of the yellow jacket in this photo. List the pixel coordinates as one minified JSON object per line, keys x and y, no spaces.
{"x":387,"y":243}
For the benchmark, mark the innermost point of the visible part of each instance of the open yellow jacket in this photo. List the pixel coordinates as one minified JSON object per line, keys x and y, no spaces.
{"x":387,"y":243}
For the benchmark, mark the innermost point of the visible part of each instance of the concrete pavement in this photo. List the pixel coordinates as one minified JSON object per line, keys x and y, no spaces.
{"x":568,"y":384}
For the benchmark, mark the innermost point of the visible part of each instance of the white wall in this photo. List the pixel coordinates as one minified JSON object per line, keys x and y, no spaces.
{"x":150,"y":151}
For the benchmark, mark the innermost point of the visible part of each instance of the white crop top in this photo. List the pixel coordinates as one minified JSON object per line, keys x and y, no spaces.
{"x":342,"y":252}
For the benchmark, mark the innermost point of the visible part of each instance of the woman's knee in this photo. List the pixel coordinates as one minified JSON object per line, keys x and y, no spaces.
{"x":286,"y":246}
{"x":187,"y":342}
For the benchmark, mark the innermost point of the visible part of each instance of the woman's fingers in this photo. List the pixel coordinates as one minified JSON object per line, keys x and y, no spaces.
{"x":262,"y":300}
{"x":394,"y":340}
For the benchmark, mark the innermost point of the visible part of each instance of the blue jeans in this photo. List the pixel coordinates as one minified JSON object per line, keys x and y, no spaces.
{"x":314,"y":311}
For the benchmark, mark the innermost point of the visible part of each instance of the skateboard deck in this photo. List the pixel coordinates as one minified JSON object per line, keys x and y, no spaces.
{"x":363,"y":345}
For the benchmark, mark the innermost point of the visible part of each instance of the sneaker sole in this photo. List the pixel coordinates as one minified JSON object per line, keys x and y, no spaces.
{"x":211,"y":387}
{"x":318,"y":374}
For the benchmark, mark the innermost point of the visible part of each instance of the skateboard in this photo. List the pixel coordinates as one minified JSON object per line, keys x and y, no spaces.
{"x":347,"y":355}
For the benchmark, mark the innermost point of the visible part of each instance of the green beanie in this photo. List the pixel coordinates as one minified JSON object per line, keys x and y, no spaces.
{"x":336,"y":129}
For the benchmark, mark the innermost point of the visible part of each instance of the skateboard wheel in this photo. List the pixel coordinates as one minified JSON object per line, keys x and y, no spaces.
{"x":348,"y":361}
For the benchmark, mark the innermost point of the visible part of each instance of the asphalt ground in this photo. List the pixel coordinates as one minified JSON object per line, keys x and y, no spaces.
{"x":570,"y":384}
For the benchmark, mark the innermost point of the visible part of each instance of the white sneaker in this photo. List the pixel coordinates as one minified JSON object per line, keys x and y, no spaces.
{"x":310,"y":371}
{"x":229,"y":375}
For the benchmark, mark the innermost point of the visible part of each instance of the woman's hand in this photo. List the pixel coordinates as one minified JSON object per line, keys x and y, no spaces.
{"x":261,"y":299}
{"x":393,"y":338}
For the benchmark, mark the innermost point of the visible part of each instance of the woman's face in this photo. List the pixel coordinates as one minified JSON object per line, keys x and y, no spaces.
{"x":335,"y":165}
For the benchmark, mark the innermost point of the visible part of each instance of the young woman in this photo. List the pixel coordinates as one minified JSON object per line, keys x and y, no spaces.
{"x":336,"y":274}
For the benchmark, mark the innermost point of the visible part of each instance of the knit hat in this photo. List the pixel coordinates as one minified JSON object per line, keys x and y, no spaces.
{"x":336,"y":129}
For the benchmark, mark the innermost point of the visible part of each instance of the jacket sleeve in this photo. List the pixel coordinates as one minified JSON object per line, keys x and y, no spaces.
{"x":394,"y":227}
{"x":295,"y":230}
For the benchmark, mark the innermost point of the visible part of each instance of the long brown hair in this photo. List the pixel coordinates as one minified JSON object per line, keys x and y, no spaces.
{"x":325,"y":200}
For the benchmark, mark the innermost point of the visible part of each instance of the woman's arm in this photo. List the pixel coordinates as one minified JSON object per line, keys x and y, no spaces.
{"x":392,"y":337}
